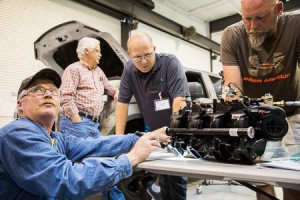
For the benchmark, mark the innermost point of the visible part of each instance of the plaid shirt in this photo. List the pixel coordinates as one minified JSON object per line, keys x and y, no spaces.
{"x":82,"y":89}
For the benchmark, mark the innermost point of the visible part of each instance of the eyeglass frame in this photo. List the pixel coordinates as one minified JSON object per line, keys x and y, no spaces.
{"x":140,"y":58}
{"x":29,"y":90}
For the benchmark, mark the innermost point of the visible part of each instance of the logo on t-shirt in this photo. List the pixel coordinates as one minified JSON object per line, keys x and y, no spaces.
{"x":267,"y":69}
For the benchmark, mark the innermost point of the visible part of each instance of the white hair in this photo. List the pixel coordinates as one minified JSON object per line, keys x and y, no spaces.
{"x":86,"y":43}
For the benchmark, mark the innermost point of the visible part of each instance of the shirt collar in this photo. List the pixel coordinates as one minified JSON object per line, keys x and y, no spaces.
{"x":85,"y":65}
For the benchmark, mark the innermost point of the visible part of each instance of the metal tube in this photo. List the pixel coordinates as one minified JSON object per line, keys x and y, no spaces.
{"x":233,"y":132}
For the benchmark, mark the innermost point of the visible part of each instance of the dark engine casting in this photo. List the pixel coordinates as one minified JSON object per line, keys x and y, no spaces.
{"x":227,"y":131}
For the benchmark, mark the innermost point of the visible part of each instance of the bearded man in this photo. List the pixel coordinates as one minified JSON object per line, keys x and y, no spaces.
{"x":261,"y":54}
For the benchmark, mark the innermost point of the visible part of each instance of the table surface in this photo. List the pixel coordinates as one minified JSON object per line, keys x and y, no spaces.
{"x":166,"y":163}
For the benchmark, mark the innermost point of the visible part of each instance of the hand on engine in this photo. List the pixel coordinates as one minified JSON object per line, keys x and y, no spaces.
{"x":147,"y":144}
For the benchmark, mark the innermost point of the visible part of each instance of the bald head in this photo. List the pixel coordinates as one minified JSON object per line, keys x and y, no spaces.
{"x":139,"y":39}
{"x":252,"y":5}
{"x":141,"y":51}
{"x":263,"y":1}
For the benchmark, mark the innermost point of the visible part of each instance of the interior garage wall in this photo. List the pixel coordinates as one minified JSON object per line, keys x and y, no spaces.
{"x":216,"y":64}
{"x":189,"y":55}
{"x":202,"y":27}
{"x":21,"y":24}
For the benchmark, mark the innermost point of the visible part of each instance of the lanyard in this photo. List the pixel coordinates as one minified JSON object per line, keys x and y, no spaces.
{"x":52,"y":142}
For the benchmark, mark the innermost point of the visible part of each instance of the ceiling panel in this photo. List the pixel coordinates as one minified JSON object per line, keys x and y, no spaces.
{"x":205,"y":10}
{"x":210,"y":10}
{"x":218,"y":13}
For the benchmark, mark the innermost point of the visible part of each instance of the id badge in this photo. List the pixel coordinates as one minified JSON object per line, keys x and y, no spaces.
{"x":162,"y":104}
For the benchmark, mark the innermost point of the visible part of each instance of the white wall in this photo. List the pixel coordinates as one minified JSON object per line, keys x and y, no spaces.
{"x":189,"y":55}
{"x":201,"y":26}
{"x":21,"y":24}
{"x":216,"y":64}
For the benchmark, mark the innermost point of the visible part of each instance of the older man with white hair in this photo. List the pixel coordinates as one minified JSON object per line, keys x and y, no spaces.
{"x":83,"y":85}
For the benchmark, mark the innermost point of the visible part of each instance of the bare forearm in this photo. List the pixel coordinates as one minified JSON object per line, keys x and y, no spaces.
{"x":178,"y":103}
{"x":133,"y":159}
{"x":232,"y":76}
{"x":121,"y":117}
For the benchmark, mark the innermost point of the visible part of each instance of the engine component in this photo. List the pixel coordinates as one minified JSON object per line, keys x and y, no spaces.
{"x":227,"y":131}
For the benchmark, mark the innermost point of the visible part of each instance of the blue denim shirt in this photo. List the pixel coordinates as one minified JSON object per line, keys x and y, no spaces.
{"x":36,"y":165}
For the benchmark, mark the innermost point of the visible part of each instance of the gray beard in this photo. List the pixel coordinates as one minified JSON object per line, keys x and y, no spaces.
{"x":256,"y":40}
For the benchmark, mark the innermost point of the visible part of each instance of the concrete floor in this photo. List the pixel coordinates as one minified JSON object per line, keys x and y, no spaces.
{"x":215,"y":190}
{"x":221,"y":190}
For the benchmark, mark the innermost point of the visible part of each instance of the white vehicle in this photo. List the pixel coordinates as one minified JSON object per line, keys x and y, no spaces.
{"x":56,"y":48}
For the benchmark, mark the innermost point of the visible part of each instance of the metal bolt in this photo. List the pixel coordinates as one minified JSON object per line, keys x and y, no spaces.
{"x":199,"y":189}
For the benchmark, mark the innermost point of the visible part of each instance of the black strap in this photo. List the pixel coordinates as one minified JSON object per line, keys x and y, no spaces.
{"x":108,"y":193}
{"x":91,"y":117}
{"x":257,"y":190}
{"x":138,"y":133}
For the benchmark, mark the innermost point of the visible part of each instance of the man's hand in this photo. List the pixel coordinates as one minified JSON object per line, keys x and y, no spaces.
{"x":160,"y":135}
{"x":75,"y":118}
{"x":146,"y":144}
{"x":116,"y":95}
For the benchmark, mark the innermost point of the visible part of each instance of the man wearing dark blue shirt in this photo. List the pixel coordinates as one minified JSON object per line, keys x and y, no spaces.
{"x":159,"y":85}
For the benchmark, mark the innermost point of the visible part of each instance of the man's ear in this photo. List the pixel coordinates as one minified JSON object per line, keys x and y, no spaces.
{"x":279,"y":8}
{"x":19,"y":106}
{"x":154,"y":49}
{"x":86,"y":51}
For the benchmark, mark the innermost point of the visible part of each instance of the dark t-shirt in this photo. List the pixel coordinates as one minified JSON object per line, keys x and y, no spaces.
{"x":275,"y":71}
{"x":166,"y":77}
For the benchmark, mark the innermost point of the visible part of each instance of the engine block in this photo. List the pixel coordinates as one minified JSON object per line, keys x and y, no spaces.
{"x":227,"y":131}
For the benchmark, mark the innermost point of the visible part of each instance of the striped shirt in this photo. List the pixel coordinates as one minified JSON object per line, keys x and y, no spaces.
{"x":82,"y":89}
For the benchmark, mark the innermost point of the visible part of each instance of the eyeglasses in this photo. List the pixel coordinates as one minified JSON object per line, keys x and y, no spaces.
{"x":39,"y":91}
{"x":140,"y":58}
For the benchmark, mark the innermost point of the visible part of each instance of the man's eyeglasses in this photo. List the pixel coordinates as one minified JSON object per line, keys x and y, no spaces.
{"x":140,"y":58}
{"x":39,"y":91}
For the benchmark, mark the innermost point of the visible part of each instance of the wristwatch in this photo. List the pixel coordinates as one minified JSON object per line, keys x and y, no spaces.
{"x":140,"y":134}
